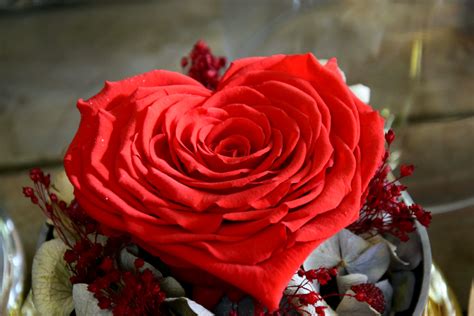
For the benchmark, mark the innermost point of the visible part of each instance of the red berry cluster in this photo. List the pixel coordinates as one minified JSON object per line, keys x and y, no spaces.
{"x":371,"y":294}
{"x":384,"y":210}
{"x":203,"y":66}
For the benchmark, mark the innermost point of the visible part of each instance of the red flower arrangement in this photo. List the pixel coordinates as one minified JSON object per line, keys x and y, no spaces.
{"x":230,"y":182}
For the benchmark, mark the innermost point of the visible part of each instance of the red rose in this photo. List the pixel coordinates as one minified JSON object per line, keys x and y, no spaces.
{"x":242,"y":182}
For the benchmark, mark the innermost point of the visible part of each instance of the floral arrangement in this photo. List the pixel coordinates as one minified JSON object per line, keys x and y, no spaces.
{"x":264,"y":191}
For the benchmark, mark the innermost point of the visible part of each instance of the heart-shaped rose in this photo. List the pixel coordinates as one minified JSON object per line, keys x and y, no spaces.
{"x":241,"y":183}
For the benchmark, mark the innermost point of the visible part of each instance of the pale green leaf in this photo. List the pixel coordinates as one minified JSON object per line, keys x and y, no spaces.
{"x":52,"y":290}
{"x":29,"y":308}
{"x":171,"y":287}
{"x":404,"y":288}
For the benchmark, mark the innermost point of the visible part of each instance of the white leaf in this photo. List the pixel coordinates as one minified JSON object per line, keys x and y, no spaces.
{"x":351,"y":245}
{"x":295,"y":288}
{"x":373,"y":262}
{"x":409,"y":251}
{"x":198,"y":309}
{"x":345,"y":282}
{"x":361,"y":91}
{"x":328,"y":311}
{"x":396,"y":261}
{"x":327,"y":255}
{"x":387,"y":291}
{"x":52,"y":290}
{"x":85,"y":303}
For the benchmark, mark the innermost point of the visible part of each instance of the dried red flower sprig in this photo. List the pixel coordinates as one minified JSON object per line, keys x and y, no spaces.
{"x":366,"y":292}
{"x":88,"y":259}
{"x":384,"y":211}
{"x":321,"y":275}
{"x":124,"y":292}
{"x":69,"y":219}
{"x":371,"y":294}
{"x":203,"y":66}
{"x":127,"y":293}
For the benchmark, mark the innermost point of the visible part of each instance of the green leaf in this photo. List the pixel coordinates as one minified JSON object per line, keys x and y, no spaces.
{"x":403,"y":283}
{"x":63,"y":187}
{"x":52,"y":290}
{"x":171,"y":287}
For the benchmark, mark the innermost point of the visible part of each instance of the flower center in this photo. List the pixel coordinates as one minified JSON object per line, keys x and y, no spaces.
{"x":233,"y":146}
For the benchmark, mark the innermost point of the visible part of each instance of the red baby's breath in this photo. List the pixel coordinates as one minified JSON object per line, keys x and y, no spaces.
{"x":320,"y":310}
{"x":128,"y":292}
{"x":406,"y":170}
{"x":298,"y":297}
{"x":384,"y":210}
{"x":68,"y":219}
{"x":321,"y":275}
{"x":371,"y":294}
{"x":203,"y":66}
{"x":91,"y":262}
{"x":310,"y":298}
